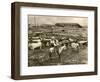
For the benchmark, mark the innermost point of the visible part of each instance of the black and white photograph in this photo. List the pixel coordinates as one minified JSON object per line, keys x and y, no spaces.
{"x":57,"y":40}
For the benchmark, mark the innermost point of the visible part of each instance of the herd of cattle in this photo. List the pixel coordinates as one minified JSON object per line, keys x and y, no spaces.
{"x":56,"y":45}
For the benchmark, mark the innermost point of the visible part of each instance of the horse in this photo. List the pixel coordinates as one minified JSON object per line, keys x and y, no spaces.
{"x":57,"y":50}
{"x":61,"y":48}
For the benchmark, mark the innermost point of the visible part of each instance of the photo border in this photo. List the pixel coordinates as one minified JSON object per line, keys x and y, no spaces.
{"x":15,"y":39}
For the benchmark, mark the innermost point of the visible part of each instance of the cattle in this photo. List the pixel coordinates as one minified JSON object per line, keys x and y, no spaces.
{"x":83,"y":44}
{"x":75,"y":46}
{"x":35,"y":44}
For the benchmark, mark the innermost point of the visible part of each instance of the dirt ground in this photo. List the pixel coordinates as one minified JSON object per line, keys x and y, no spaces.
{"x":41,"y":57}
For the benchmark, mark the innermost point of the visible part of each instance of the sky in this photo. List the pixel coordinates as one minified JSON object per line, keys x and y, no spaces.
{"x":83,"y":21}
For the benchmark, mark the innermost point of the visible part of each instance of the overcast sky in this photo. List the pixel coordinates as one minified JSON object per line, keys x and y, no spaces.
{"x":57,"y":19}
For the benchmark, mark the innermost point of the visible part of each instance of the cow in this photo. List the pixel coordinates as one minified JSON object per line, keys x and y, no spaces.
{"x":35,"y":44}
{"x":75,"y":46}
{"x":83,"y":44}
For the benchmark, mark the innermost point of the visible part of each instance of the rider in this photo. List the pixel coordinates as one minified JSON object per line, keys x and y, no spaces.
{"x":54,"y":41}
